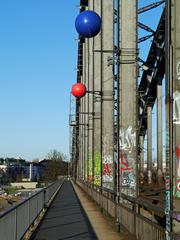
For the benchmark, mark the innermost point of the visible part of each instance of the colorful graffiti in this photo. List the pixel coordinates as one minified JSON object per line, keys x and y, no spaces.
{"x":177,"y":151}
{"x":89,"y":169}
{"x":176,"y":191}
{"x":107,"y":162}
{"x":176,"y":107}
{"x":107,"y":172}
{"x":127,"y":171}
{"x":127,"y":140}
{"x":97,"y":169}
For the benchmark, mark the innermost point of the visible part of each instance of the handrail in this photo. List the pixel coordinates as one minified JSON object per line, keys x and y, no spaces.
{"x":108,"y":205}
{"x":132,"y":200}
{"x":25,"y":200}
{"x":21,"y":216}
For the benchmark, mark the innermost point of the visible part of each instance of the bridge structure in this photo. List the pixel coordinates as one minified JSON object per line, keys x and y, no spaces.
{"x":125,"y":132}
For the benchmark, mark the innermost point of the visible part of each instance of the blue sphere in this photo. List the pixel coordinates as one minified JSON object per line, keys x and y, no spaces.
{"x":88,"y":24}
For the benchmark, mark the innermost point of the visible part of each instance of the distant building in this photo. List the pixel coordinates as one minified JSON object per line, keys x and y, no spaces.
{"x":22,"y":170}
{"x":3,"y":165}
{"x":18,"y":169}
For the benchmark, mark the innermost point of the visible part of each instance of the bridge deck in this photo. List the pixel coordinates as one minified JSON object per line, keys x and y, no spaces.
{"x":65,"y":219}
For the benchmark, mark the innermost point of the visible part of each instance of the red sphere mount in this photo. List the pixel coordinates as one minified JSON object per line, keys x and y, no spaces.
{"x":78,"y":90}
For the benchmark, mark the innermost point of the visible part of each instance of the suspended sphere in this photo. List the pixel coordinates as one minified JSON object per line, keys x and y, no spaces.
{"x":177,"y":150}
{"x":88,"y":24}
{"x":78,"y":90}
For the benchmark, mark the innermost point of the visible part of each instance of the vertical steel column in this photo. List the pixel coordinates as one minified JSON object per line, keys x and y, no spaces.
{"x":81,"y":150}
{"x":107,"y":94}
{"x":141,"y":164}
{"x":149,"y":144}
{"x":128,"y":96}
{"x":159,"y":132}
{"x":97,"y":103}
{"x":168,"y":74}
{"x":90,"y":105}
{"x":93,"y":105}
{"x":77,"y":162}
{"x":116,"y":110}
{"x":87,"y":111}
{"x":89,"y":116}
{"x":101,"y":83}
{"x":174,"y":78}
{"x":83,"y":110}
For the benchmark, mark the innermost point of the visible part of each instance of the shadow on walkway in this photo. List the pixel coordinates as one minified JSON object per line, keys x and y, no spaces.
{"x":65,"y":219}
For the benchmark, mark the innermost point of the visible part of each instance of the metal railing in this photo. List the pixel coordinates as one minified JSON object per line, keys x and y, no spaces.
{"x":15,"y":222}
{"x":139,"y":226}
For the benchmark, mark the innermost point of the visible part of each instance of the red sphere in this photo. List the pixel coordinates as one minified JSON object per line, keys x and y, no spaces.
{"x":78,"y":90}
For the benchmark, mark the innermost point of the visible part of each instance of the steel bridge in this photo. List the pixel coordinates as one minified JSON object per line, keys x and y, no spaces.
{"x":125,"y":132}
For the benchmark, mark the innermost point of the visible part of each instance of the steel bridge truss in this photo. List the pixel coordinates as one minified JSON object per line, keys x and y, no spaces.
{"x":154,"y":197}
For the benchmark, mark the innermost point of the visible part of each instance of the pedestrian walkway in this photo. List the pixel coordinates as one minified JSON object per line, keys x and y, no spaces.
{"x":68,"y":218}
{"x":65,"y":218}
{"x":103,"y":226}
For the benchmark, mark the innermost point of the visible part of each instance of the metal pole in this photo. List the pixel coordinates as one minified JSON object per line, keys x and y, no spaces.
{"x":174,"y":79}
{"x":141,"y":157}
{"x":101,"y":88}
{"x":97,"y":104}
{"x":93,"y":106}
{"x":149,"y":144}
{"x":169,"y":162}
{"x":159,"y":132}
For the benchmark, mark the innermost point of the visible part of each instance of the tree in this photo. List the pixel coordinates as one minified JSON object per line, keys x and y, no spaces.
{"x":56,"y":156}
{"x":56,"y":166}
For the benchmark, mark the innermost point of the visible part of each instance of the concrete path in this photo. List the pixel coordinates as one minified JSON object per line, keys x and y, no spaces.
{"x":65,"y":219}
{"x":102,"y":225}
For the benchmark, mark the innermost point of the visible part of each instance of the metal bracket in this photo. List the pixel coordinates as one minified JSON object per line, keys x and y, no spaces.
{"x":89,"y":113}
{"x":95,"y":92}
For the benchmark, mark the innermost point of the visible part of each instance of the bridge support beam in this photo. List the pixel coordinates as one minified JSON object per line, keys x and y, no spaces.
{"x":107,"y":94}
{"x":97,"y":101}
{"x":128,"y":96}
{"x":141,"y":165}
{"x":159,"y":132}
{"x":149,"y":144}
{"x":173,"y":90}
{"x":90,"y":160}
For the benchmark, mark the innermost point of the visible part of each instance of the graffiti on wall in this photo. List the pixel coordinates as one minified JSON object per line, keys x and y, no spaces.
{"x":167,"y":212}
{"x":176,"y":107}
{"x":107,"y":162}
{"x":97,"y":169}
{"x":107,"y":169}
{"x":177,"y":150}
{"x":127,"y":139}
{"x":127,"y":172}
{"x":177,"y":179}
{"x":178,"y":71}
{"x":89,"y":169}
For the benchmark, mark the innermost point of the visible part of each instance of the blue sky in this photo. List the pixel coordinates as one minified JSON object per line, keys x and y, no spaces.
{"x":151,"y":19}
{"x":38,"y":55}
